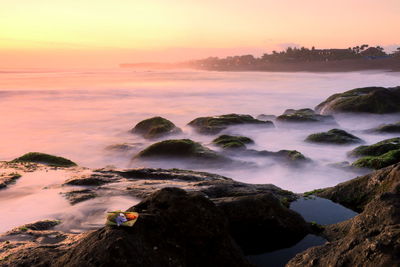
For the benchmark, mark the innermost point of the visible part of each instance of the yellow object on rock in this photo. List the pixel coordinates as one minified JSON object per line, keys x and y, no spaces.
{"x":120,"y":218}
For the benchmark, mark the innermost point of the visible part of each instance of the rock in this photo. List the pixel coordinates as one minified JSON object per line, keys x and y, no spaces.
{"x":180,"y":149}
{"x":358,"y":192}
{"x":378,"y":162}
{"x":175,"y":228}
{"x":261,"y":223}
{"x":232,"y":142}
{"x":36,"y":226}
{"x":46,"y":159}
{"x":264,"y":117}
{"x":377,"y":149}
{"x":378,"y":100}
{"x":93,"y":179}
{"x":304,"y":115}
{"x":155,"y":127}
{"x":8,"y":178}
{"x":77,"y":196}
{"x":124,"y":147}
{"x":387,"y":128}
{"x":283,"y":156}
{"x":372,"y":237}
{"x":334,"y":136}
{"x":214,"y":125}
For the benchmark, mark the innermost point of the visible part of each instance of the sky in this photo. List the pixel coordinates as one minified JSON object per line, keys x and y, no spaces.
{"x":85,"y":33}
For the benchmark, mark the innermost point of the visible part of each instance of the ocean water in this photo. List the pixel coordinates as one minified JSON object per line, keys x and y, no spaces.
{"x":78,"y":113}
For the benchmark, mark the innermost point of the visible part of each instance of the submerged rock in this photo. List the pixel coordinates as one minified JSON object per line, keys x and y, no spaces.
{"x":378,"y":100}
{"x":304,"y":115}
{"x":232,"y":142}
{"x":46,"y":159}
{"x":214,"y":125}
{"x":124,"y":147}
{"x":265,"y":117}
{"x":180,"y":149}
{"x":334,"y":136}
{"x":387,"y":128}
{"x":372,"y":237}
{"x":8,"y":178}
{"x":77,"y":196}
{"x":377,"y":149}
{"x":93,"y":179}
{"x":155,"y":127}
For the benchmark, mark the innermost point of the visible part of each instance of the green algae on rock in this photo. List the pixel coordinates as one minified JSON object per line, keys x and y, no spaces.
{"x":379,"y":100}
{"x":232,"y":142}
{"x":377,"y":149}
{"x":387,"y":128}
{"x":334,"y":136}
{"x":155,"y":127}
{"x":378,"y":162}
{"x":304,"y":115}
{"x":46,"y":159}
{"x":179,"y":148}
{"x":215,"y":124}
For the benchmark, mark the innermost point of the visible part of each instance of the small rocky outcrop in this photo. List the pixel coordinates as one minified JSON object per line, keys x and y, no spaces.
{"x":372,"y":237}
{"x":304,"y":115}
{"x":232,"y":142}
{"x":180,"y":149}
{"x":378,"y":162}
{"x":93,"y":179}
{"x":387,"y":128}
{"x":77,"y":196}
{"x":334,"y":136}
{"x":377,"y":100}
{"x":216,"y":124}
{"x":261,"y":223}
{"x":265,"y":117}
{"x":155,"y":127}
{"x":8,"y":178}
{"x":377,"y":149}
{"x":46,"y":159}
{"x":123,"y":147}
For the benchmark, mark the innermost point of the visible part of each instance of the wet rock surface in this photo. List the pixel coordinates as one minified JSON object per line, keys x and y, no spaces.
{"x":304,"y":115}
{"x":369,"y":239}
{"x":8,"y":178}
{"x":334,"y":136}
{"x":47,"y":159}
{"x":155,"y":127}
{"x":216,"y":124}
{"x":378,"y":100}
{"x":77,"y":196}
{"x":387,"y":128}
{"x":232,"y":141}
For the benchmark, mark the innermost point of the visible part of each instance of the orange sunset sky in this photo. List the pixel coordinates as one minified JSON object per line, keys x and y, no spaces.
{"x":85,"y":33}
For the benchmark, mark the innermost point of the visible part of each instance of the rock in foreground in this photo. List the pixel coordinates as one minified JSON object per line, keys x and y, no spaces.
{"x":377,"y":100}
{"x":214,"y":125}
{"x":155,"y":127}
{"x":334,"y":136}
{"x":369,"y":239}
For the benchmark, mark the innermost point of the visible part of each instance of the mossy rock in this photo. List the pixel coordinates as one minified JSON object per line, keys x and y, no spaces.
{"x":179,"y":148}
{"x":378,"y":162}
{"x":304,"y":115}
{"x":388,"y":128}
{"x":377,"y":100}
{"x":292,"y":155}
{"x":214,"y":125}
{"x":46,"y":159}
{"x":232,"y":142}
{"x":334,"y":136}
{"x":265,"y":117}
{"x":155,"y":127}
{"x":377,"y":149}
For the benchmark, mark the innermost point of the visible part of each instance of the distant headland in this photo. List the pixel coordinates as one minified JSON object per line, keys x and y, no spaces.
{"x":356,"y":58}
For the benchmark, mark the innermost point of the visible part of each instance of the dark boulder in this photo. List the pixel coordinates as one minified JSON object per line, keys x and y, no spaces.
{"x":304,"y":115}
{"x":155,"y":127}
{"x":387,"y":128}
{"x":180,"y":149}
{"x":378,"y":162}
{"x":378,"y":100}
{"x":175,"y":228}
{"x":334,"y":136}
{"x":214,"y":125}
{"x":261,"y":223}
{"x":232,"y":142}
{"x":46,"y":159}
{"x":377,"y":149}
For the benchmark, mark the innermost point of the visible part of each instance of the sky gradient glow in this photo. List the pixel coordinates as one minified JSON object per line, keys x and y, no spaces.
{"x":103,"y":32}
